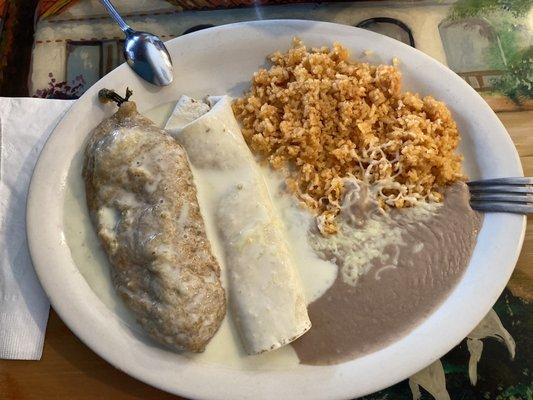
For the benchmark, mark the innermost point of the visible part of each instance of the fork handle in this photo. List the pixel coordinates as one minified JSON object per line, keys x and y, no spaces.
{"x":519,"y":180}
{"x":512,"y":208}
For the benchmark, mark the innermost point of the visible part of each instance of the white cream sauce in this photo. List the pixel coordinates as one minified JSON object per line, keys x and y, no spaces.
{"x":225,"y":347}
{"x":84,"y":245}
{"x":316,"y":274}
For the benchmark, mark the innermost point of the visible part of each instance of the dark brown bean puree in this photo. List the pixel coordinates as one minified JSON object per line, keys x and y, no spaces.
{"x":351,"y":321}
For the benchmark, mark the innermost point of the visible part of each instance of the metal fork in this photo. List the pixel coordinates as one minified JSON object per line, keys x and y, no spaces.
{"x":511,"y":195}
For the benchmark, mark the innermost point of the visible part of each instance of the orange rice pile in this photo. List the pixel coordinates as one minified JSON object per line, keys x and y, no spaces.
{"x":322,"y":118}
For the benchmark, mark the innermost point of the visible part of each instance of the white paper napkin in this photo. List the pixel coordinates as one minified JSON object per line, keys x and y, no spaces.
{"x":25,"y":124}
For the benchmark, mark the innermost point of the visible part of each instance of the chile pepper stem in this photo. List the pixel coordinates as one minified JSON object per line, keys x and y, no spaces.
{"x":105,"y":95}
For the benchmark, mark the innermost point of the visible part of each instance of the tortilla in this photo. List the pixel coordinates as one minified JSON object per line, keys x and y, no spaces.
{"x":265,"y":291}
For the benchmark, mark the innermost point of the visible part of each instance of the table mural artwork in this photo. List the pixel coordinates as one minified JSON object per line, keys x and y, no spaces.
{"x":486,"y":42}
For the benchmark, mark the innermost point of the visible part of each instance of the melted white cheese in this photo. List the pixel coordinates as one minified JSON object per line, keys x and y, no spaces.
{"x":357,"y":247}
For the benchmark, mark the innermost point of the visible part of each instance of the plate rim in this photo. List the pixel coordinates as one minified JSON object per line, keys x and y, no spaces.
{"x":39,"y":249}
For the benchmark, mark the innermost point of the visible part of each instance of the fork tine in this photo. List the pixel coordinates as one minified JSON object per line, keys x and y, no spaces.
{"x":501,"y":189}
{"x":521,"y":180}
{"x":502,"y":207}
{"x":511,"y":198}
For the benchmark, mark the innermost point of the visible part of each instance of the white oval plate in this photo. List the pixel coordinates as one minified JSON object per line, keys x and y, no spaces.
{"x":222,"y":60}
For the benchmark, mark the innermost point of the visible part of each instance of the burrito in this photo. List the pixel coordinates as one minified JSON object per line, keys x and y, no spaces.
{"x":265,"y":291}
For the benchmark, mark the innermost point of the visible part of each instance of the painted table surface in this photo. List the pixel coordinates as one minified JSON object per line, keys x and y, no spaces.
{"x":70,"y":370}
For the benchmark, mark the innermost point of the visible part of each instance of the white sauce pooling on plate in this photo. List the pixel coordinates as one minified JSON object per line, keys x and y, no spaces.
{"x":317,"y":274}
{"x":84,"y":245}
{"x":225,"y":347}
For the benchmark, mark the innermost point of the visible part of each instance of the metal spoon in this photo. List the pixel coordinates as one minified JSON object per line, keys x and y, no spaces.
{"x":145,"y":53}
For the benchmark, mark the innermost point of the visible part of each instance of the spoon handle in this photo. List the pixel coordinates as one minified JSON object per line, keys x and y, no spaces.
{"x":116,"y":16}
